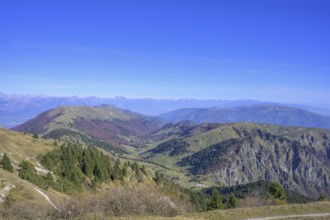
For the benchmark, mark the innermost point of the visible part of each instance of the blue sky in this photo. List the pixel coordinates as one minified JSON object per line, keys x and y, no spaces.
{"x":271,"y":50}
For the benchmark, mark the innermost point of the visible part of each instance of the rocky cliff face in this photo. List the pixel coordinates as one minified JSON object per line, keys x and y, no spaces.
{"x":301,"y":164}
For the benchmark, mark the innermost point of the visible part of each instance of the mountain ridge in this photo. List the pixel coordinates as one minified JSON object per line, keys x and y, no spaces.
{"x":271,"y":114}
{"x":16,"y":109}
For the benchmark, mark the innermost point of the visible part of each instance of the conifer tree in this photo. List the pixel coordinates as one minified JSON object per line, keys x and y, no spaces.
{"x":159,"y":177}
{"x":27,"y":171}
{"x":143,"y":169}
{"x":6,"y":163}
{"x":136,"y":168}
{"x":87,"y":164}
{"x":117,"y":172}
{"x":277,"y":191}
{"x":216,"y":201}
{"x":233,"y":201}
{"x":124,"y":170}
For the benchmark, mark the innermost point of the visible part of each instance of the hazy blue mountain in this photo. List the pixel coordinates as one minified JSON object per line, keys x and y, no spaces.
{"x":16,"y":109}
{"x":271,"y":114}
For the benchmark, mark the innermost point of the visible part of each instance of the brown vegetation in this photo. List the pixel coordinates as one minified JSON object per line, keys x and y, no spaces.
{"x":114,"y":202}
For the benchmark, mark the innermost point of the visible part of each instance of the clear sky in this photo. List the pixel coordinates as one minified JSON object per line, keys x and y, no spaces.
{"x":271,"y":50}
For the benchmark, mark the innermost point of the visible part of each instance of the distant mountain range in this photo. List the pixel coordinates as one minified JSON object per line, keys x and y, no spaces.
{"x":270,"y":114}
{"x":17,"y":109}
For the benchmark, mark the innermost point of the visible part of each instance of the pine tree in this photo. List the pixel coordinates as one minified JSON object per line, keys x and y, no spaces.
{"x":233,"y":201}
{"x":277,"y":191}
{"x":216,"y":201}
{"x":117,"y":172}
{"x":135,"y":168}
{"x":124,"y":170}
{"x":321,"y":198}
{"x":27,"y":171}
{"x":87,"y":164}
{"x":6,"y":163}
{"x":159,"y":177}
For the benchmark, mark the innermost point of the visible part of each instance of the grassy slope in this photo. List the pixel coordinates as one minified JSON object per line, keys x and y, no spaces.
{"x":67,"y":115}
{"x":24,"y":191}
{"x":20,"y":147}
{"x":245,"y":213}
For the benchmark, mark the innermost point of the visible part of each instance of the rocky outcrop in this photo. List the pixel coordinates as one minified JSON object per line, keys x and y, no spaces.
{"x":302,"y":165}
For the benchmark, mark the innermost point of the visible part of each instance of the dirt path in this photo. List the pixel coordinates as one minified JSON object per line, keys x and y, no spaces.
{"x":29,"y":158}
{"x":291,"y":216}
{"x":46,"y":197}
{"x":40,"y":169}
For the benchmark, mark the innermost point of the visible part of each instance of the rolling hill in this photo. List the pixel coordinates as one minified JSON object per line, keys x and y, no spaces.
{"x":270,"y":114}
{"x":103,"y":126}
{"x":20,"y":147}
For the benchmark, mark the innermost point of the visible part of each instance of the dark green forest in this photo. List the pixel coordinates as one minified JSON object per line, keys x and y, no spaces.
{"x":175,"y":147}
{"x":59,"y":133}
{"x":77,"y":168}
